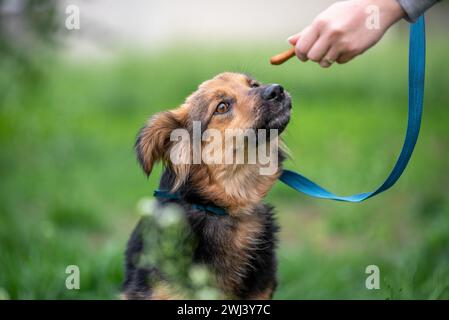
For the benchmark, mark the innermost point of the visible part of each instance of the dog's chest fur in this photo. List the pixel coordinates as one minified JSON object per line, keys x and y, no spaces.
{"x":239,"y":250}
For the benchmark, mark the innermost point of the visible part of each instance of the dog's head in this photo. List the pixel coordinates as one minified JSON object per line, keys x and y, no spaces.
{"x":227,"y":103}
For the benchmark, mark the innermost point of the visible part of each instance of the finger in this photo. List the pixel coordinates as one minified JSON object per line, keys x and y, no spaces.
{"x":308,"y":37}
{"x":330,"y":57}
{"x":319,"y":49}
{"x":345,"y":57}
{"x":294,"y":38}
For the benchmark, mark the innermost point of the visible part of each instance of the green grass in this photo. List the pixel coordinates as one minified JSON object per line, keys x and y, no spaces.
{"x":70,"y":182}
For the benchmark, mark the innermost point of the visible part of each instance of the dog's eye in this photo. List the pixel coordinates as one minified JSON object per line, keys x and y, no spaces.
{"x":254,"y":84}
{"x":222,"y":107}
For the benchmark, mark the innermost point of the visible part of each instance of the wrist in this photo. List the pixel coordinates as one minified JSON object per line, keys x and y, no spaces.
{"x":390,"y":10}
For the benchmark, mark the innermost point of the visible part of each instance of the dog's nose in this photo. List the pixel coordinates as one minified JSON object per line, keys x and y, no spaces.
{"x":273,"y":92}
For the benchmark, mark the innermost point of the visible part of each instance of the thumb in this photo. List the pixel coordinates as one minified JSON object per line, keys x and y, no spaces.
{"x":294,"y":38}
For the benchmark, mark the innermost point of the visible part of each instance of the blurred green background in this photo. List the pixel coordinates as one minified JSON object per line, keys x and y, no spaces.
{"x":69,"y":180}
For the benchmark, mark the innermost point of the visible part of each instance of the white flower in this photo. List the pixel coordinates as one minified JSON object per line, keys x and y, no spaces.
{"x":4,"y":294}
{"x":169,"y":216}
{"x":208,"y":293}
{"x":146,"y":206}
{"x":199,"y":275}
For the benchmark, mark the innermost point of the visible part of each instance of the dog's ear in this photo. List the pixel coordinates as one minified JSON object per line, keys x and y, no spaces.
{"x":154,"y":144}
{"x":153,"y":140}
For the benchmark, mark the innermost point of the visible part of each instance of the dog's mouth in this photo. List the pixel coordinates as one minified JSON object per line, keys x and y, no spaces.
{"x":280,"y":118}
{"x":275,"y":109}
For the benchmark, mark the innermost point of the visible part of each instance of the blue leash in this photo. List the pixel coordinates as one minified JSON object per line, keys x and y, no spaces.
{"x":417,"y":62}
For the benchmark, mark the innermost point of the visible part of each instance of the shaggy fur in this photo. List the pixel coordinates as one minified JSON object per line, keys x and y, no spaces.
{"x":239,"y":248}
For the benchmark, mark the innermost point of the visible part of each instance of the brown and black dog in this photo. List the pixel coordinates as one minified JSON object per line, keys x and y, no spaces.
{"x":238,"y":247}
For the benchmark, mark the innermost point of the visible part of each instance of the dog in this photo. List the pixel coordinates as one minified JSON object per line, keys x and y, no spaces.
{"x":238,"y":244}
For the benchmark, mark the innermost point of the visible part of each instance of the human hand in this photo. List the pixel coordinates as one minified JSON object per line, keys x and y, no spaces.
{"x":345,"y":30}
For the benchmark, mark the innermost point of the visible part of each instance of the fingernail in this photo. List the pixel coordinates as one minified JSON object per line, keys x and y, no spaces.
{"x":289,"y":39}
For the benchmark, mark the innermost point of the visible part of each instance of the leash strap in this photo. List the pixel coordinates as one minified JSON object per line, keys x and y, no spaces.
{"x":417,"y":59}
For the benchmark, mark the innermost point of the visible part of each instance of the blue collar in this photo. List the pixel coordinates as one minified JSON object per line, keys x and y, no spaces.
{"x":162,"y":194}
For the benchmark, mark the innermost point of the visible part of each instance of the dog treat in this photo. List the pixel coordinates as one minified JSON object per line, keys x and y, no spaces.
{"x":283,"y":56}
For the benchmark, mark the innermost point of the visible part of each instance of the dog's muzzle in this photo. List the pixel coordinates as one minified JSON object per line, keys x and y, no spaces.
{"x":275,"y":108}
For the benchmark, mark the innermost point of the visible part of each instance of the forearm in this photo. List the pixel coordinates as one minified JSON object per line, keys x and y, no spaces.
{"x":415,"y":8}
